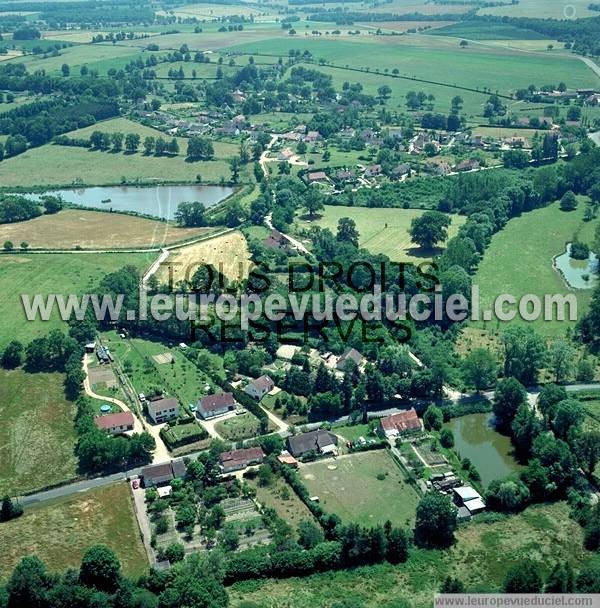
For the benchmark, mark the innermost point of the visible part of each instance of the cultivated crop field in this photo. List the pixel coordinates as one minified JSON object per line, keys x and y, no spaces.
{"x":393,"y":240}
{"x":227,"y":253}
{"x":60,"y":531}
{"x":349,"y":486}
{"x":42,"y":273}
{"x":519,"y":260}
{"x":542,"y":9}
{"x":483,"y":554}
{"x":37,"y":437}
{"x":72,"y":228}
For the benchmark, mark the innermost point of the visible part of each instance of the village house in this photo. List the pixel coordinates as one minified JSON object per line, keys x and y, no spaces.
{"x":275,"y":240}
{"x":467,"y":165}
{"x":162,"y":409}
{"x":401,"y":171}
{"x":466,"y":496}
{"x":373,"y":171}
{"x":350,"y":354}
{"x":438,"y":168}
{"x":260,"y":387}
{"x":286,"y":458}
{"x":211,"y":406}
{"x":157,"y":475}
{"x":319,"y":442}
{"x":115,"y":424}
{"x":285,"y":154}
{"x":345,"y":176}
{"x":312,"y":137}
{"x":316,"y":177}
{"x":397,"y":424}
{"x":236,"y":460}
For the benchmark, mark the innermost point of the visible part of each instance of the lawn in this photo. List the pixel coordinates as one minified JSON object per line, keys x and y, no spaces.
{"x":481,"y":557}
{"x":66,"y":273}
{"x":37,"y":437}
{"x":237,"y":428}
{"x":519,"y":261}
{"x":392,"y":240}
{"x":60,"y":531}
{"x":349,"y":487}
{"x":52,"y":165}
{"x":71,"y":228}
{"x":353,"y":432}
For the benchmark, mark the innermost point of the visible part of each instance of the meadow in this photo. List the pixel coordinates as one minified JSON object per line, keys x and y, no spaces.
{"x":543,"y":9}
{"x":60,"y":531}
{"x":44,"y":274}
{"x":52,"y":165}
{"x":71,"y":228}
{"x":383,"y":230}
{"x":519,"y":261}
{"x":37,"y":437}
{"x":350,"y":486}
{"x":484,"y":552}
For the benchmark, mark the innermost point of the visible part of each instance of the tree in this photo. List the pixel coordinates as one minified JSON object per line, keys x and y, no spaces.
{"x":149,"y":143}
{"x":549,"y":397}
{"x":309,"y":534}
{"x":525,"y":428}
{"x":175,"y":552}
{"x":509,"y":495}
{"x":452,"y":585}
{"x":562,"y":355}
{"x":234,"y":167}
{"x":13,"y":355}
{"x":200,"y":148}
{"x":117,"y":141}
{"x":8,"y":246}
{"x":524,"y":354}
{"x":509,"y":396}
{"x":569,"y":201}
{"x":435,"y":521}
{"x":433,"y":418}
{"x":587,"y":449}
{"x":560,"y":580}
{"x":100,"y":568}
{"x":29,"y":584}
{"x":9,"y":509}
{"x":313,"y":202}
{"x":480,"y":369}
{"x":132,"y":142}
{"x":447,"y":438}
{"x":190,"y":214}
{"x":347,"y":232}
{"x":523,"y":577}
{"x":173,"y":147}
{"x":65,"y":69}
{"x":568,"y":414}
{"x":591,"y":538}
{"x":463,"y":44}
{"x":429,"y":228}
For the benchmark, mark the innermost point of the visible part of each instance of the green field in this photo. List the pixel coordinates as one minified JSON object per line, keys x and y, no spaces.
{"x":60,"y":531}
{"x":481,"y":557}
{"x":519,"y":261}
{"x":37,"y":437}
{"x":393,"y":240}
{"x":52,"y":165}
{"x":349,"y":487}
{"x":237,"y":428}
{"x":543,"y":9}
{"x":476,"y":30}
{"x":46,"y":274}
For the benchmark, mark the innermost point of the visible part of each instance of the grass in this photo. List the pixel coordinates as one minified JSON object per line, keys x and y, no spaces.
{"x":237,"y":428}
{"x":59,"y":532}
{"x":228,"y":254}
{"x":353,"y":432}
{"x":393,"y":240}
{"x":37,"y":437}
{"x":72,"y":228}
{"x":53,"y":165}
{"x":352,"y":490}
{"x":475,"y":30}
{"x":66,"y":273}
{"x":481,"y":557}
{"x":542,"y":9}
{"x":519,"y":261}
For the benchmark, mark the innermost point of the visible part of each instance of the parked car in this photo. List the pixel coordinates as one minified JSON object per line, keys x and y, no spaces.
{"x":135,"y":484}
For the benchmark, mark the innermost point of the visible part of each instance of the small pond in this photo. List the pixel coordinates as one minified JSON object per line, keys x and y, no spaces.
{"x":158,"y":201}
{"x":574,"y":272}
{"x":476,"y":439}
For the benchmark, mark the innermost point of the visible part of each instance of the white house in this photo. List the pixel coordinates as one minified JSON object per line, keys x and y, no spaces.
{"x":260,"y":387}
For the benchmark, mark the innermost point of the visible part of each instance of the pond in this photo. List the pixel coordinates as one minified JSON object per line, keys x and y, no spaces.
{"x":490,"y":452}
{"x":158,"y":201}
{"x":575,"y":272}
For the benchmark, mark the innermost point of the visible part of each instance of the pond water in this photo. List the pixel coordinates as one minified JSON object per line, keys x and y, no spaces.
{"x":158,"y":201}
{"x":490,"y":452}
{"x":575,"y":271}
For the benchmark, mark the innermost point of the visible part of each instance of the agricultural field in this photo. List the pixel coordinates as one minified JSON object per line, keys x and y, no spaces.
{"x":484,"y":552}
{"x":52,"y":165}
{"x":60,"y":531}
{"x":40,"y":273}
{"x":227,"y":253}
{"x":367,"y":488}
{"x":72,"y":228}
{"x":37,"y":436}
{"x":519,"y":261}
{"x":543,"y":9}
{"x":393,"y":240}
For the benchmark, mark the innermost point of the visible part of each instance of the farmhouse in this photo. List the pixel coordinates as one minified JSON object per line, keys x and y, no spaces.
{"x":316,"y":176}
{"x":115,"y":424}
{"x":396,"y":424}
{"x":161,"y":474}
{"x":351,"y":354}
{"x":285,"y":154}
{"x":260,"y":387}
{"x":373,"y":171}
{"x":162,"y":409}
{"x":275,"y":240}
{"x":319,"y":441}
{"x":467,"y":165}
{"x":466,"y":496}
{"x":345,"y":176}
{"x":401,"y":170}
{"x":212,"y":406}
{"x":235,"y":460}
